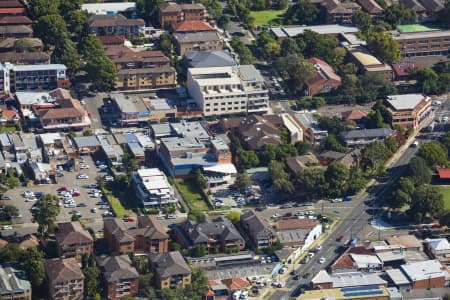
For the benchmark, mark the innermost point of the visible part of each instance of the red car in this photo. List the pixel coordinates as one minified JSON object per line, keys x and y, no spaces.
{"x":435,"y":226}
{"x":128,"y":220}
{"x":340,"y":238}
{"x":62,"y":189}
{"x":75,"y":194}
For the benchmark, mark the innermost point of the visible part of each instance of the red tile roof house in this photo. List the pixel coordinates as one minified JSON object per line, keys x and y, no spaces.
{"x":324,"y":80}
{"x":11,"y":7}
{"x":404,"y":71}
{"x":444,"y":175}
{"x":192,"y":26}
{"x":371,"y":7}
{"x":354,"y":115}
{"x":15,"y":20}
{"x":9,"y":116}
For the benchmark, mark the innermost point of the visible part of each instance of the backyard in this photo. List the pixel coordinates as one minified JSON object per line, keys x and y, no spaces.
{"x":267,"y":17}
{"x":191,"y":194}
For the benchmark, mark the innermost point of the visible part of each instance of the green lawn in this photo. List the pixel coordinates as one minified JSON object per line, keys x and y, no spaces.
{"x":8,"y":129}
{"x":445,"y":190}
{"x":416,"y":28}
{"x":264,"y":17}
{"x":191,"y":193}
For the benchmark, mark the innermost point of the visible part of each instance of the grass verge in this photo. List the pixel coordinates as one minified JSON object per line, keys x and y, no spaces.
{"x":191,"y":194}
{"x":115,"y":203}
{"x":445,"y":190}
{"x":266,"y":17}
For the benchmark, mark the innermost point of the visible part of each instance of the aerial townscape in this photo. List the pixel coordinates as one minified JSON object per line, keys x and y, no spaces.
{"x":224,"y":149}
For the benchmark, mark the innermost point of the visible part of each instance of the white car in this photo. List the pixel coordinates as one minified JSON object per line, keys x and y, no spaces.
{"x":322,"y":260}
{"x":109,"y":178}
{"x":276,"y":216}
{"x":278,"y":284}
{"x":84,"y":167}
{"x":82,"y":176}
{"x":31,"y":199}
{"x":102,"y":166}
{"x":69,"y":205}
{"x":336,"y":200}
{"x":28,"y":194}
{"x":7,"y":227}
{"x":74,"y":190}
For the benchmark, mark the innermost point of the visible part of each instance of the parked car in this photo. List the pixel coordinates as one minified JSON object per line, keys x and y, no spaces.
{"x":7,"y":227}
{"x":76,"y":194}
{"x":93,"y":210}
{"x":82,"y":176}
{"x":128,"y":220}
{"x":28,"y":194}
{"x":84,"y":167}
{"x":62,"y":189}
{"x":81,"y":205}
{"x":347,"y":199}
{"x":322,"y":260}
{"x":340,"y":238}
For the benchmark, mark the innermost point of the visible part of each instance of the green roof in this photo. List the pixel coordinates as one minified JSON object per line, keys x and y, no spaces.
{"x":416,"y":28}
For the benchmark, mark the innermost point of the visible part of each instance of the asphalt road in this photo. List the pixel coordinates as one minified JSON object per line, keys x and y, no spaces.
{"x":351,"y":224}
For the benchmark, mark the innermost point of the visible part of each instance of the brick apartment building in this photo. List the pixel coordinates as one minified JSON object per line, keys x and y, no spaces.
{"x":170,"y":270}
{"x":171,"y":13}
{"x":120,"y":278}
{"x":409,"y":110}
{"x":65,"y":279}
{"x":116,"y":25}
{"x":423,"y":43}
{"x":148,"y":237}
{"x":73,"y":241}
{"x":324,"y":80}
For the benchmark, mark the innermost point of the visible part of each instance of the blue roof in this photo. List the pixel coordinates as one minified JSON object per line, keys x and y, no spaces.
{"x":130,"y":138}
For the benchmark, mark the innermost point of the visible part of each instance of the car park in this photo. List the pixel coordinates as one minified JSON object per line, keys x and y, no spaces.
{"x":76,"y":194}
{"x":285,"y":206}
{"x":336,"y":200}
{"x":109,"y":178}
{"x":308,"y":204}
{"x":128,"y":220}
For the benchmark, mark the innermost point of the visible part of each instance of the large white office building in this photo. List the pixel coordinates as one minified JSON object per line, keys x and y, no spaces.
{"x":152,"y":188}
{"x":228,"y":90}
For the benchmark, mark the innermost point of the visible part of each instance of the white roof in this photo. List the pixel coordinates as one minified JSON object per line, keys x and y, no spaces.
{"x":49,"y":138}
{"x":154,"y":179}
{"x":39,"y":67}
{"x":222,"y":168}
{"x":320,"y":29}
{"x":363,"y":261}
{"x":424,"y":270}
{"x":321,"y":277}
{"x":438,"y":244}
{"x":32,"y":97}
{"x":406,"y":101}
{"x":397,"y":276}
{"x":104,"y":8}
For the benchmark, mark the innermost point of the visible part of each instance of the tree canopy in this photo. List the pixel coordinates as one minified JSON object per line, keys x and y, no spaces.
{"x":384,"y":46}
{"x":426,"y":200}
{"x":45,"y":211}
{"x":433,"y":153}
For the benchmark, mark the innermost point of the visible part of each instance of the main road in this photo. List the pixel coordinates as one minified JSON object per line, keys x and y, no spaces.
{"x":353,"y":223}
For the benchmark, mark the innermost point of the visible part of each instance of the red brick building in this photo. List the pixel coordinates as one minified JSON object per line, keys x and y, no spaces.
{"x":324,"y":80}
{"x":171,"y":13}
{"x":119,"y":277}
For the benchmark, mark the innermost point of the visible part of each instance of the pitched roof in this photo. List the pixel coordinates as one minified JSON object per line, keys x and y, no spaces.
{"x":113,"y":20}
{"x":3,"y":243}
{"x":209,"y":58}
{"x":290,"y":224}
{"x":354,"y":115}
{"x":117,"y":229}
{"x":433,"y":5}
{"x":15,"y":29}
{"x":15,"y":20}
{"x":413,"y":4}
{"x":298,"y":163}
{"x":116,"y":268}
{"x":346,"y":261}
{"x":192,"y":37}
{"x":324,"y":69}
{"x":151,"y":222}
{"x":406,"y":241}
{"x":254,"y":224}
{"x":29,"y":242}
{"x":444,"y":173}
{"x":438,"y":244}
{"x":192,"y":26}
{"x":62,"y":269}
{"x":367,"y":133}
{"x":236,"y":283}
{"x":9,"y":114}
{"x":72,"y":233}
{"x":169,"y":264}
{"x":111,"y":39}
{"x":24,"y":57}
{"x":370,"y":6}
{"x":10,"y":42}
{"x":404,"y":69}
{"x":169,"y":7}
{"x":191,"y":6}
{"x":10,"y":3}
{"x":200,"y":232}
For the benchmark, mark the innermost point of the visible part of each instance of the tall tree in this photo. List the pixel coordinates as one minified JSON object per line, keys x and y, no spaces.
{"x":433,"y":153}
{"x":418,"y":171}
{"x":428,"y":81}
{"x":426,"y":200}
{"x":302,"y":12}
{"x":398,"y":14}
{"x":243,"y":181}
{"x":45,"y":212}
{"x":362,"y":20}
{"x":332,"y":143}
{"x":312,"y":180}
{"x":337,"y":176}
{"x":280,"y":178}
{"x":402,"y":194}
{"x":289,"y":46}
{"x":51,"y":29}
{"x":384,"y":46}
{"x":375,"y":156}
{"x":40,"y":8}
{"x":32,"y":262}
{"x":66,"y":53}
{"x":148,"y":9}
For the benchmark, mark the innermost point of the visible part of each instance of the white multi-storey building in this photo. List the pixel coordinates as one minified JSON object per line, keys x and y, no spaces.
{"x":228,"y":90}
{"x":152,"y":188}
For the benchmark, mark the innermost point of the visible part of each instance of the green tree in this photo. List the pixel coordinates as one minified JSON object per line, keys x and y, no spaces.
{"x":248,"y":159}
{"x":445,"y":140}
{"x":267,"y":153}
{"x":280,"y":178}
{"x":303,"y":147}
{"x":45,"y":212}
{"x":295,"y":71}
{"x":91,"y":281}
{"x":375,"y":156}
{"x":40,"y":8}
{"x":426,"y":200}
{"x":313,"y":44}
{"x":234,"y":216}
{"x":88,"y":132}
{"x":418,"y":171}
{"x":384,"y":46}
{"x":223,"y":21}
{"x":51,"y":29}
{"x":374,"y":86}
{"x":268,"y":47}
{"x":9,"y":211}
{"x":444,"y":219}
{"x":166,"y":44}
{"x":66,"y":53}
{"x":245,"y":55}
{"x":101,"y":72}
{"x":303,"y":12}
{"x":433,"y":153}
{"x":199,"y":250}
{"x":243,"y":182}
{"x":332,"y":143}
{"x":402,"y":194}
{"x":362,"y":20}
{"x":148,"y":9}
{"x":196,"y":215}
{"x":312,"y":180}
{"x":427,"y":81}
{"x":200,"y":180}
{"x":397,"y":14}
{"x":374,"y":120}
{"x":289,"y":46}
{"x":32,"y":262}
{"x":337,"y":176}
